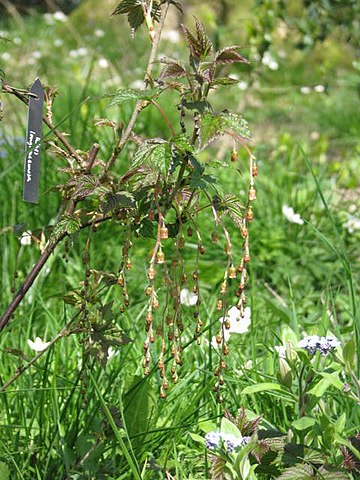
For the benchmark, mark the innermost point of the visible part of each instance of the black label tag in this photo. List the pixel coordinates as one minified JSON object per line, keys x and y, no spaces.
{"x":33,"y":138}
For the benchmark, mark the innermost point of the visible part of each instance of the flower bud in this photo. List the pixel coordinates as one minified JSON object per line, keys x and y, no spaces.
{"x":164,"y":233}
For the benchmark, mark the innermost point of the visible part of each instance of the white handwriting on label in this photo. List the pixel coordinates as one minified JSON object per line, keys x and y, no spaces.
{"x":33,"y":152}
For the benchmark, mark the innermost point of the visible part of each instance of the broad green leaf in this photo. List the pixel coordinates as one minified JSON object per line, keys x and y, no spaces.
{"x":303,"y":423}
{"x":67,"y":225}
{"x":182,"y":144}
{"x":229,"y":428}
{"x":199,"y":106}
{"x":261,"y":387}
{"x":4,"y":471}
{"x":156,"y":153}
{"x":329,"y":379}
{"x":212,"y":126}
{"x":207,"y":426}
{"x":117,"y":200}
{"x":197,"y":438}
{"x":297,"y":472}
{"x":138,"y":407}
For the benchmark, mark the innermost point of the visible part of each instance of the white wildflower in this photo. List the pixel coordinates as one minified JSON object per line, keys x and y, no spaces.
{"x":242,"y":86}
{"x":74,"y":53}
{"x":36,"y":54}
{"x":315,"y":135}
{"x":26,"y":238}
{"x":305,"y":90}
{"x":6,"y":56}
{"x":38,"y":345}
{"x":103,"y":63}
{"x":291,"y":216}
{"x":58,"y":42}
{"x":319,"y":88}
{"x":60,"y":16}
{"x":352,"y":208}
{"x":82,"y":52}
{"x":269,"y":61}
{"x":111,"y":352}
{"x":238,"y":324}
{"x":352,"y":224}
{"x":99,"y":33}
{"x":188,"y":298}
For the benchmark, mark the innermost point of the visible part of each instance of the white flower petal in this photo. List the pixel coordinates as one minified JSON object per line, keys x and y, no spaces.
{"x":26,"y":238}
{"x":38,"y":345}
{"x":188,"y":298}
{"x":291,"y":216}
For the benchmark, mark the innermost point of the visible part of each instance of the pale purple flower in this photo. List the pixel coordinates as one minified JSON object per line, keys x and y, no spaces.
{"x":314,"y":343}
{"x":212,"y":440}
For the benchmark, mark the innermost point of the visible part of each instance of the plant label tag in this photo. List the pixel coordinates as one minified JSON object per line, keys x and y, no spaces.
{"x":33,"y":139}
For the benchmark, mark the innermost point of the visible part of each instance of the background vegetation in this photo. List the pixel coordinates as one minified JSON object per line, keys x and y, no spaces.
{"x":67,"y":418}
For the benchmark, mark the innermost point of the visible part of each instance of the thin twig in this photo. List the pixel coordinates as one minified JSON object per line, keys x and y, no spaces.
{"x":138,"y":107}
{"x":29,"y":280}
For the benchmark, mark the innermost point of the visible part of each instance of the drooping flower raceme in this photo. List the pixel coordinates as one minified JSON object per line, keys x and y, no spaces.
{"x":314,"y":343}
{"x":291,"y":216}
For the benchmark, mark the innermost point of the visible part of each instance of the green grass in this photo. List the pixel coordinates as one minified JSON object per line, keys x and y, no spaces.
{"x":69,"y":417}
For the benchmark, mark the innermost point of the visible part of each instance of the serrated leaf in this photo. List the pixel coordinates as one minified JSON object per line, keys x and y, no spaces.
{"x":136,"y":17}
{"x":117,"y":200}
{"x":224,"y":81}
{"x":200,"y":106}
{"x":229,"y":55}
{"x":182,"y":144}
{"x":200,"y":45}
{"x":303,"y":423}
{"x":212,"y":126}
{"x":172,"y":69}
{"x":154,"y":152}
{"x":332,"y":475}
{"x":67,"y":225}
{"x":127,"y":94}
{"x":218,"y":466}
{"x":126,"y":6}
{"x":237,"y":124}
{"x":297,"y":472}
{"x":135,"y":12}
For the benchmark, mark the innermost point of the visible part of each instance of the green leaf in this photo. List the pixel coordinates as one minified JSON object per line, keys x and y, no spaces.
{"x":135,"y":12}
{"x":349,"y":353}
{"x":199,"y":106}
{"x":224,"y":81}
{"x":303,"y":423}
{"x":212,"y":126}
{"x":297,"y":472}
{"x":139,"y":403}
{"x":197,"y":438}
{"x":229,"y":427}
{"x":4,"y":471}
{"x":154,"y":152}
{"x":182,"y":144}
{"x":128,"y":94}
{"x":329,"y":379}
{"x":261,"y":387}
{"x":66,"y":226}
{"x":117,"y":200}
